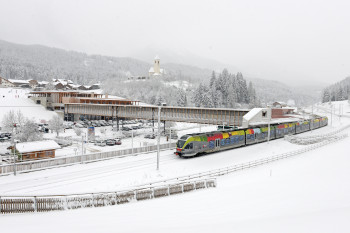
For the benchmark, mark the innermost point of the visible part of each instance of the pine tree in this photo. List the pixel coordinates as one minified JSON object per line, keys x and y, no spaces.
{"x":212,"y":80}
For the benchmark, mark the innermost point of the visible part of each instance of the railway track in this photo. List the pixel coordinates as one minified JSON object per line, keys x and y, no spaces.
{"x":88,"y":174}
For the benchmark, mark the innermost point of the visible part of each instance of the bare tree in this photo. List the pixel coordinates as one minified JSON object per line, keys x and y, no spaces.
{"x":28,"y":131}
{"x":56,"y":124}
{"x":78,"y":131}
{"x":9,"y":121}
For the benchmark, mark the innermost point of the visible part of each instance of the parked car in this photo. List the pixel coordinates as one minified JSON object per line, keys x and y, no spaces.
{"x":100,"y":143}
{"x":110,"y":142}
{"x":150,"y":136}
{"x":118,"y":142}
{"x":126,"y":128}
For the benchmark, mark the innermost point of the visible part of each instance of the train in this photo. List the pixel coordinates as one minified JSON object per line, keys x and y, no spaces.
{"x":190,"y":145}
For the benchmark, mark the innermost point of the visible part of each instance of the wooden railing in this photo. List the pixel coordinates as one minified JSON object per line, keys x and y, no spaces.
{"x":45,"y":163}
{"x":45,"y":203}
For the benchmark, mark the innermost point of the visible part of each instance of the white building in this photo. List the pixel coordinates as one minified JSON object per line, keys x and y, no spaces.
{"x":156,"y":70}
{"x":6,"y":83}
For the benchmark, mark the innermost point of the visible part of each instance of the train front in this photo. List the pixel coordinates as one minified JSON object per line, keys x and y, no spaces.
{"x":179,"y":146}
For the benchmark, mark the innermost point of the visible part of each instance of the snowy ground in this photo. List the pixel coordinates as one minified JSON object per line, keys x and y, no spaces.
{"x":307,"y":193}
{"x":17,"y":99}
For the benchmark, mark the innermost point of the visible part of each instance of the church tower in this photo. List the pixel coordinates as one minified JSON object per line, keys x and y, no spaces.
{"x":156,"y":65}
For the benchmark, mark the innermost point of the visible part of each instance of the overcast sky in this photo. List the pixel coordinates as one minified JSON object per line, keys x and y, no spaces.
{"x":297,"y":40}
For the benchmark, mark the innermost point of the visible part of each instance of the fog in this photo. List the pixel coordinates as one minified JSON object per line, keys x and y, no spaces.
{"x":290,"y":41}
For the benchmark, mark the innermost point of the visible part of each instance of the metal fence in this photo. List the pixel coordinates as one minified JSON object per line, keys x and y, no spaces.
{"x":250,"y":164}
{"x":311,"y":139}
{"x":46,"y":203}
{"x":45,"y":163}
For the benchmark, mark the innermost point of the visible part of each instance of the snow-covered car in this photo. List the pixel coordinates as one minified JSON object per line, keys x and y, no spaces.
{"x":110,"y":142}
{"x":100,"y":143}
{"x":118,"y":142}
{"x":79,"y":125}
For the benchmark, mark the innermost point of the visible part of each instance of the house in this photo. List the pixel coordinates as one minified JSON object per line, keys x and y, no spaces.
{"x":37,"y":149}
{"x":6,"y":83}
{"x":155,"y":70}
{"x":95,"y":86}
{"x":279,"y":104}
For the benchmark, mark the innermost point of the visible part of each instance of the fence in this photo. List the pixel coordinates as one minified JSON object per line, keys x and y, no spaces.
{"x":24,"y":204}
{"x":21,"y":204}
{"x":311,"y":139}
{"x":45,"y":163}
{"x":246,"y":165}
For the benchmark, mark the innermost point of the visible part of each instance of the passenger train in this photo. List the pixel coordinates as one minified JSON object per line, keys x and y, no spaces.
{"x":190,"y":145}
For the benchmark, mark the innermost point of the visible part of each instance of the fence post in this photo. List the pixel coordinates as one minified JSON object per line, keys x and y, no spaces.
{"x":35,"y":205}
{"x":0,"y":205}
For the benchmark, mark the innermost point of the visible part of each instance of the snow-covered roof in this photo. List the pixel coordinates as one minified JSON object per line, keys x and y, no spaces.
{"x":157,"y":58}
{"x":252,"y":113}
{"x":19,"y":81}
{"x":151,"y":70}
{"x":25,"y":147}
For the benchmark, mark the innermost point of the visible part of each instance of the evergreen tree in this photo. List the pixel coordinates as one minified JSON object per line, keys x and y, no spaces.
{"x":212,"y":80}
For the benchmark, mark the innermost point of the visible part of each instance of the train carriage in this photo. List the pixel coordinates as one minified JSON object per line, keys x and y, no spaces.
{"x":193,"y":144}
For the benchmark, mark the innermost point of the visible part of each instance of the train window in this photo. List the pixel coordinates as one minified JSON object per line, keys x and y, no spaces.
{"x":191,"y":145}
{"x":180,"y":143}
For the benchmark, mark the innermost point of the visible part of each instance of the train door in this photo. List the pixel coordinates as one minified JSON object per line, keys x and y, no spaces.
{"x":217,"y":143}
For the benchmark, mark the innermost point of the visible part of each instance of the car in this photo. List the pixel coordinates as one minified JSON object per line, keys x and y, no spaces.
{"x":125,"y":128}
{"x":110,"y":142}
{"x":100,"y":143}
{"x":150,"y":136}
{"x":118,"y":142}
{"x":79,"y":125}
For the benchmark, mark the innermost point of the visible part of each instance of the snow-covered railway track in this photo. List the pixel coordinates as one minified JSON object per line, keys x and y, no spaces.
{"x":86,"y":175}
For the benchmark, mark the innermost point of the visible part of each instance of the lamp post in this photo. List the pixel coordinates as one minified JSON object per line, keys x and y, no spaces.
{"x":14,"y":150}
{"x":268,"y":126}
{"x":132,"y":141}
{"x":158,"y":139}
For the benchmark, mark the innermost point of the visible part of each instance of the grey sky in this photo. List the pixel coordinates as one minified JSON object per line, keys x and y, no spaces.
{"x":271,"y":39}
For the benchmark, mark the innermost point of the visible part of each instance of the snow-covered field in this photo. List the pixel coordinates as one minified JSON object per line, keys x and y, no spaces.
{"x":17,"y":99}
{"x":306,"y":193}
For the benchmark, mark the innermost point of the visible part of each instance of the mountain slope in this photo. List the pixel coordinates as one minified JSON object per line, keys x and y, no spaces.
{"x":44,"y":63}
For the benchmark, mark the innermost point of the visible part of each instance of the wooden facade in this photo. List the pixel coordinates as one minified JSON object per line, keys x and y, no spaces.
{"x":38,"y":154}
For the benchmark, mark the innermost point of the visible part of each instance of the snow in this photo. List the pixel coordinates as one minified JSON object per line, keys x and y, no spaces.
{"x":252,"y":113}
{"x":36,"y":146}
{"x":306,"y":193}
{"x":17,"y":99}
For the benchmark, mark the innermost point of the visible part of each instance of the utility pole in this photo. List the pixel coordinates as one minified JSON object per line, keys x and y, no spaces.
{"x":14,"y":151}
{"x":132,"y":141}
{"x":268,"y":125}
{"x":331,"y":115}
{"x":158,"y":139}
{"x":82,"y":148}
{"x":312,"y":117}
{"x":170,"y":139}
{"x":14,"y":159}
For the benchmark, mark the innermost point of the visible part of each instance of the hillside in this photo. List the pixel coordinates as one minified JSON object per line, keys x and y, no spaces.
{"x":271,"y":90}
{"x":338,"y":91}
{"x":44,"y":63}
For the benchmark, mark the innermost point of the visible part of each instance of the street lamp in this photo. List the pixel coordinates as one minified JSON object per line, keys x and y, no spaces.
{"x":158,"y":139}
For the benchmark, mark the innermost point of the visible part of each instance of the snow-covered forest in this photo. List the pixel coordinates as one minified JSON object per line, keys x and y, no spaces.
{"x":183,"y":85}
{"x":220,"y":90}
{"x":45,"y":63}
{"x":337,"y":92}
